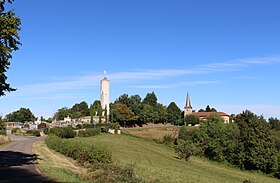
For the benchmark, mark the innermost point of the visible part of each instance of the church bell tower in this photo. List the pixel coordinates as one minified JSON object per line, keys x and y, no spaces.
{"x":188,"y":107}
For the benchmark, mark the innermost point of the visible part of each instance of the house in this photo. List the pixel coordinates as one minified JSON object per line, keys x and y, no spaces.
{"x":203,"y":115}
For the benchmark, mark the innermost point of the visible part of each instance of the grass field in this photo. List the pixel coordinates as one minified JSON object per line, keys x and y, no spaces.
{"x":158,"y":163}
{"x":56,"y":166}
{"x":156,"y":132}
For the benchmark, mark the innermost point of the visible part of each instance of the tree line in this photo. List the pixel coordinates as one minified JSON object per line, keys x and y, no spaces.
{"x":250,"y":143}
{"x":133,"y":109}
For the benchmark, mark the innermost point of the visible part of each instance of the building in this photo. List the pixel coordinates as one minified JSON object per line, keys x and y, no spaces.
{"x":203,"y":115}
{"x":105,"y":94}
{"x":188,"y":107}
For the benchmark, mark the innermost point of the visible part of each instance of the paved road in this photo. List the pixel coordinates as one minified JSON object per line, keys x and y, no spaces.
{"x":17,"y":162}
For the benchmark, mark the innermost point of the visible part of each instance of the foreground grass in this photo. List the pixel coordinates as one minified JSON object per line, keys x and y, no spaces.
{"x":158,"y":163}
{"x":56,"y":166}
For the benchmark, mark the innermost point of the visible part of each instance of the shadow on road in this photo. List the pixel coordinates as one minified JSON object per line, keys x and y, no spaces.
{"x":11,"y":168}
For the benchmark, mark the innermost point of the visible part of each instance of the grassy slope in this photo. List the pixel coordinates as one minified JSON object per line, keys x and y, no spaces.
{"x":158,"y":162}
{"x":56,"y":166}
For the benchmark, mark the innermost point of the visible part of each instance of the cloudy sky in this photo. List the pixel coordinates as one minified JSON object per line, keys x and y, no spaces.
{"x":225,"y":53}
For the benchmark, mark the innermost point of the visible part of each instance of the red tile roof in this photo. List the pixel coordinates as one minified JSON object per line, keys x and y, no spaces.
{"x":207,"y":114}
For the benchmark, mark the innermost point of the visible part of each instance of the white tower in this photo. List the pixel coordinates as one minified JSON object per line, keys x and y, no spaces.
{"x":105,"y":93}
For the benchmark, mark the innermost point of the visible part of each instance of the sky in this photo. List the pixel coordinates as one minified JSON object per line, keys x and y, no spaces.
{"x":224,"y":53}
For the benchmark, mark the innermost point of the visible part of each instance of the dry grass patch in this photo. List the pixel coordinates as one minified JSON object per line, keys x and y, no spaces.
{"x":156,"y":133}
{"x":4,"y":139}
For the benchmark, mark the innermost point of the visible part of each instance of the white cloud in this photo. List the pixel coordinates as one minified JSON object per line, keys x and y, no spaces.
{"x":57,"y":88}
{"x":189,"y":83}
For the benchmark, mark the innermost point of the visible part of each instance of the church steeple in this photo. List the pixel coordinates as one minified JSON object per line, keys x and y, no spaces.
{"x":188,"y":107}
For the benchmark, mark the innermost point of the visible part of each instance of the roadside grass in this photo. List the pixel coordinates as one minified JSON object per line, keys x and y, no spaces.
{"x":158,"y":163}
{"x":56,"y":166}
{"x":4,"y":139}
{"x":155,"y":133}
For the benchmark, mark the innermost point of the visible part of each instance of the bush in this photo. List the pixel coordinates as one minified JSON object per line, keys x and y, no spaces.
{"x":168,"y":140}
{"x":185,"y":149}
{"x":46,"y":131}
{"x":16,"y":131}
{"x":89,"y":132}
{"x":42,"y":126}
{"x":63,"y":132}
{"x":192,"y":119}
{"x":82,"y":152}
{"x":35,"y":133}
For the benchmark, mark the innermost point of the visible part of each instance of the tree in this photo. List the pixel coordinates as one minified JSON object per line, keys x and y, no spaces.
{"x":256,"y":148}
{"x":2,"y":127}
{"x":96,"y":106}
{"x":162,"y":113}
{"x":106,"y":114}
{"x":201,"y":110}
{"x":79,"y":110}
{"x":121,"y":113}
{"x":150,"y":99}
{"x":207,"y":109}
{"x":21,"y":115}
{"x":274,"y":123}
{"x":192,"y":119}
{"x":146,"y":113}
{"x":62,"y":113}
{"x":9,"y":42}
{"x":174,"y":113}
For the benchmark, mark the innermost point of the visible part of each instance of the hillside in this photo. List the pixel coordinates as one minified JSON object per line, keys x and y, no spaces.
{"x":157,"y":162}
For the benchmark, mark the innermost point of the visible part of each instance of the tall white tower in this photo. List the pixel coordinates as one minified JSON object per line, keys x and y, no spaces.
{"x":105,"y":93}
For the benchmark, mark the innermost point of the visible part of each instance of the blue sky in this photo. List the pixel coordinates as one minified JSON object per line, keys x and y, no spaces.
{"x":225,"y":53}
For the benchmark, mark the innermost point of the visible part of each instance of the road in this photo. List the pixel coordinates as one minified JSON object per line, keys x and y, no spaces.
{"x":17,"y":162}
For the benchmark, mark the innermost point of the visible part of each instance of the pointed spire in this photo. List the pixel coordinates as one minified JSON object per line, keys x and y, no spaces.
{"x":188,"y":102}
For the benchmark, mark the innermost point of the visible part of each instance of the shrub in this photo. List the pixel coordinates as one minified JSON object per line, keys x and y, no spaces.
{"x":35,"y":133}
{"x":42,"y":126}
{"x":82,"y":152}
{"x":192,"y":119}
{"x":46,"y":131}
{"x":63,"y":132}
{"x":89,"y":132}
{"x":185,"y":149}
{"x":168,"y":139}
{"x":16,"y":131}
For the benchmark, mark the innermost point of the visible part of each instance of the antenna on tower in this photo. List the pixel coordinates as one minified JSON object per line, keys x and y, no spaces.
{"x":105,"y":74}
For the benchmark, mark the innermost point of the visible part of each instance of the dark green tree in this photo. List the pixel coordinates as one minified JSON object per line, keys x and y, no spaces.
{"x":62,"y":113}
{"x":162,"y":113}
{"x":274,"y":123}
{"x":174,"y":113}
{"x":106,"y":114}
{"x":9,"y":42}
{"x":79,"y":110}
{"x":256,"y":148}
{"x":146,"y":113}
{"x":2,"y":127}
{"x":150,"y":99}
{"x":21,"y":115}
{"x":192,"y":119}
{"x":207,"y":109}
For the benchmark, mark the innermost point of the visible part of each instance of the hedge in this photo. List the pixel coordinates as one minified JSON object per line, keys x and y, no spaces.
{"x":35,"y":133}
{"x":82,"y":152}
{"x":63,"y":132}
{"x":89,"y":132}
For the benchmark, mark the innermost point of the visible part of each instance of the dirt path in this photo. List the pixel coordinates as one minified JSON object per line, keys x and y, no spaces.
{"x":17,"y":162}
